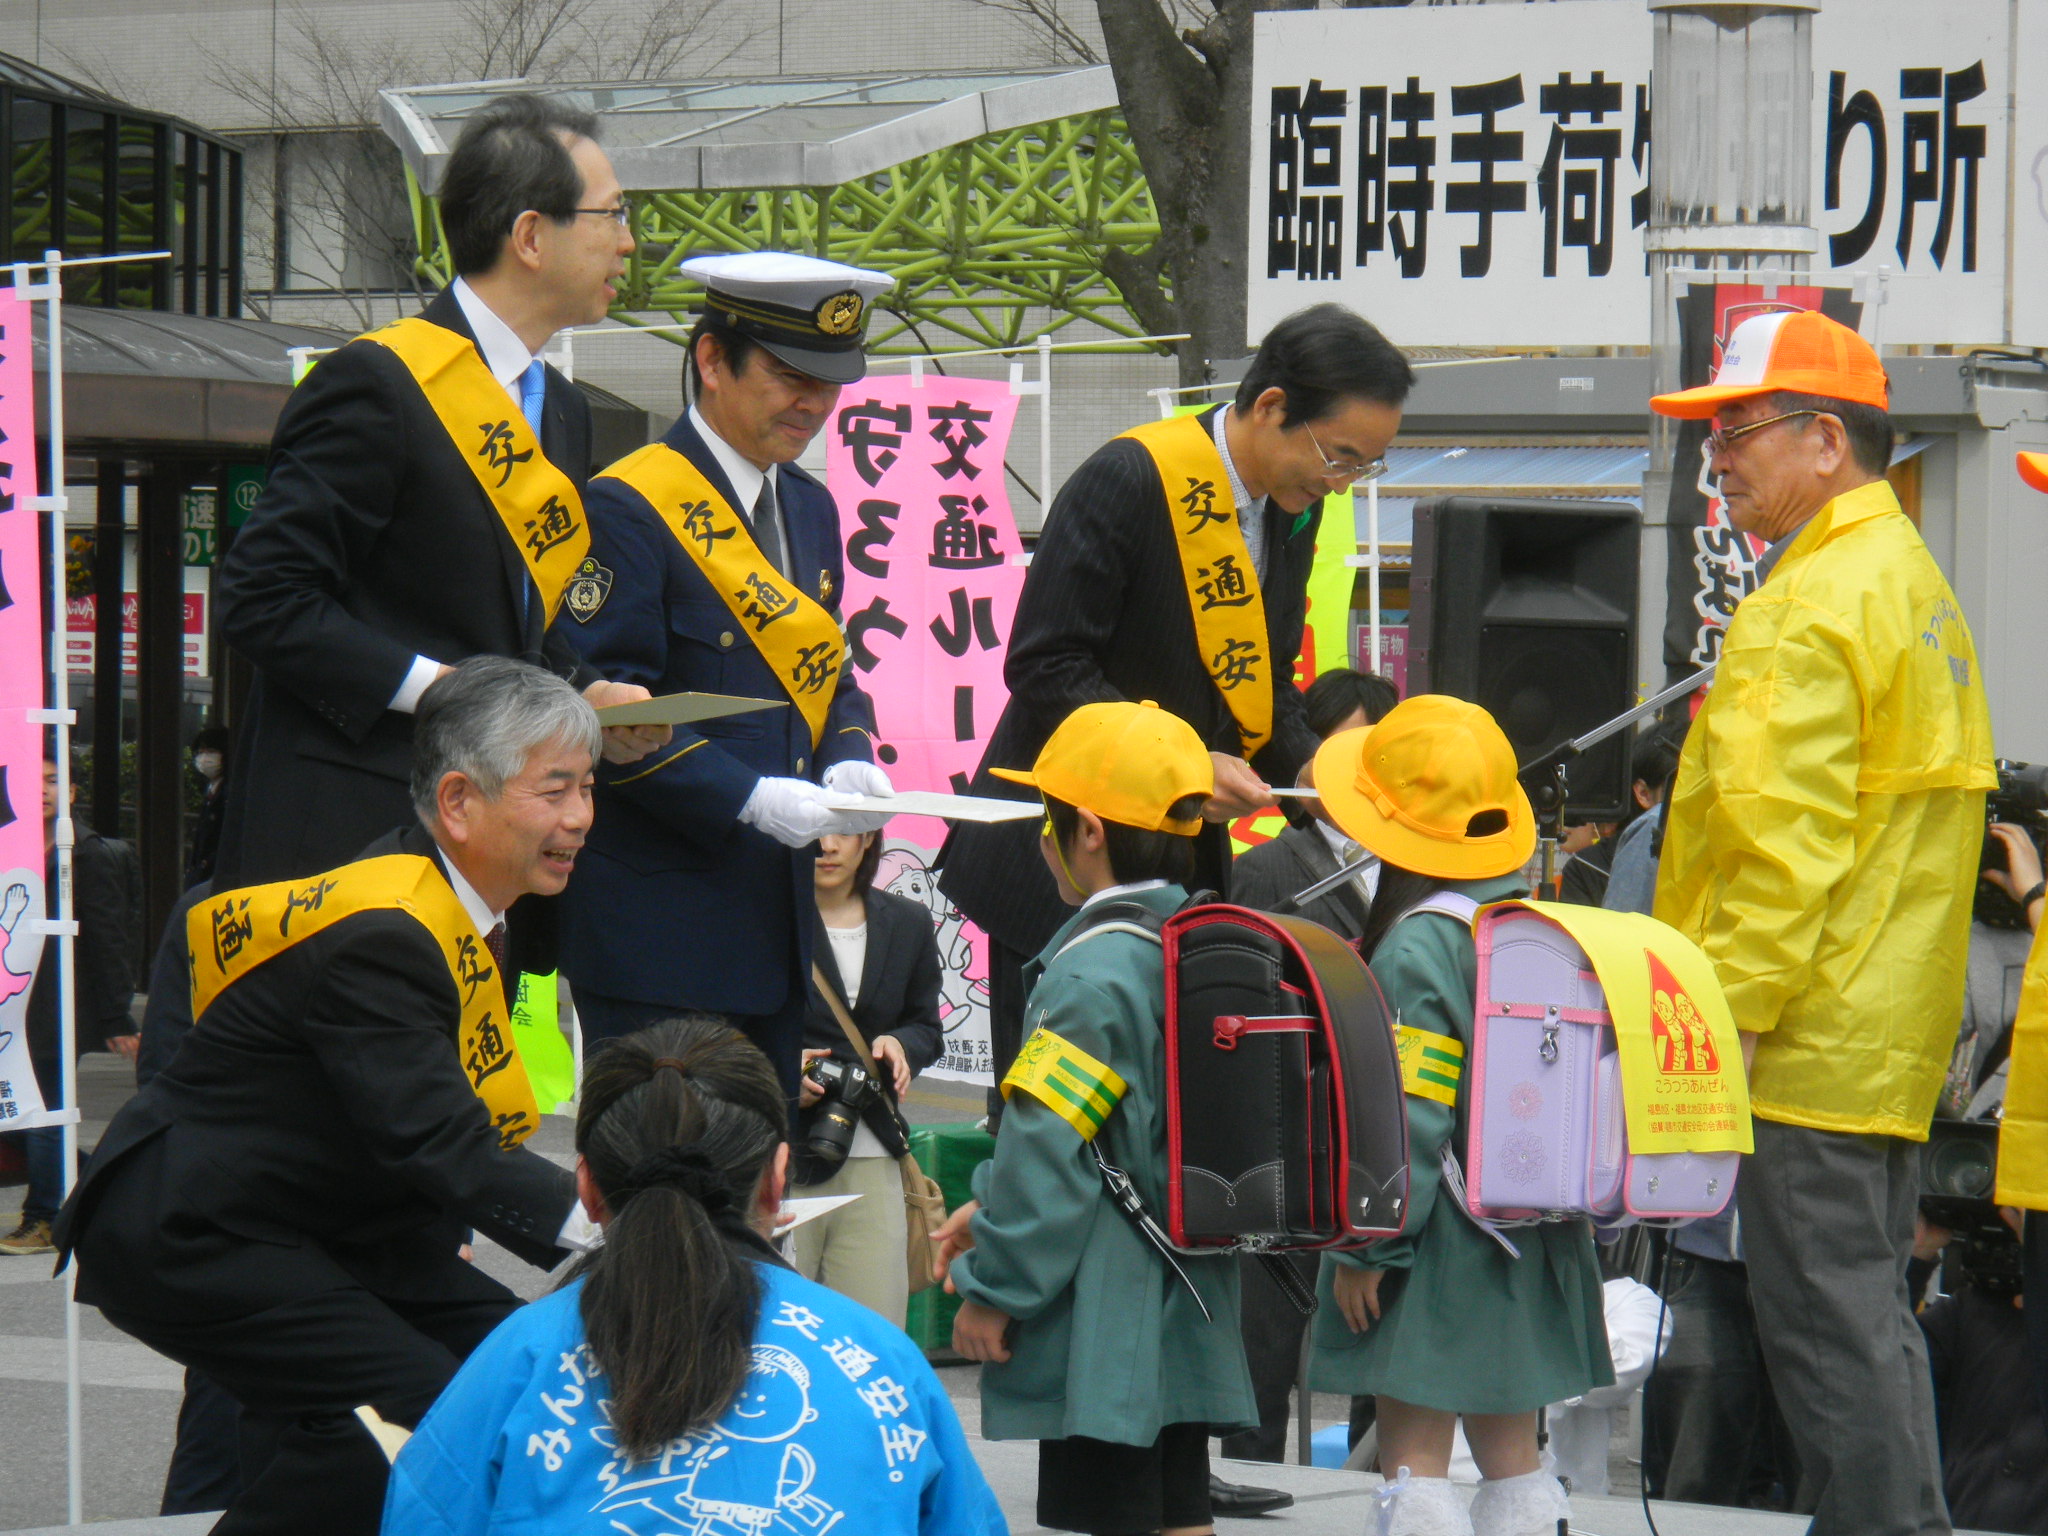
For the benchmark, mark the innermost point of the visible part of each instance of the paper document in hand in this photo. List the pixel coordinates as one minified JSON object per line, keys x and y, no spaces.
{"x":1299,"y":791}
{"x":682,"y":709}
{"x":795,"y":1213}
{"x":924,"y":802}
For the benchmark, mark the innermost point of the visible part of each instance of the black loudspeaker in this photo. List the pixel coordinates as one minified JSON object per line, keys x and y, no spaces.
{"x":1528,"y":608}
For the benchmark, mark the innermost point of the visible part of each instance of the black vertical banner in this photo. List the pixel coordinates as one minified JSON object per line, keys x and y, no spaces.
{"x":1713,"y":566}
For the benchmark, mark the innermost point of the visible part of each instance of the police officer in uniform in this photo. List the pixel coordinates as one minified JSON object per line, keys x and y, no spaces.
{"x":714,"y":566}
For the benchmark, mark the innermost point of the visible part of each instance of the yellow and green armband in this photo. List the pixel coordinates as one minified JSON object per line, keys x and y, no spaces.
{"x":1432,"y":1065}
{"x":1066,"y":1080}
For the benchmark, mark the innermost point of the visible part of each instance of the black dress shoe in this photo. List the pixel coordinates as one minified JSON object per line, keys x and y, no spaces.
{"x":1238,"y":1500}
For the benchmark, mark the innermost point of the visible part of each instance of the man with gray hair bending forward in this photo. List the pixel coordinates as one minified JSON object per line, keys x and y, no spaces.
{"x":284,"y":1206}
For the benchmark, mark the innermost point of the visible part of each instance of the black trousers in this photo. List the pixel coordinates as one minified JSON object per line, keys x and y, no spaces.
{"x":1105,"y":1489}
{"x":1272,"y":1331}
{"x":304,"y":1366}
{"x":206,"y":1464}
{"x":1006,"y":995}
{"x":779,"y":1035}
{"x":1712,"y":1433}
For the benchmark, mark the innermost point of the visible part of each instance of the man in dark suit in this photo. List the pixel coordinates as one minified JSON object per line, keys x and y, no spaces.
{"x":1267,"y":876}
{"x":1111,"y":600}
{"x":282,"y":1207}
{"x":715,"y":566}
{"x":387,"y":545}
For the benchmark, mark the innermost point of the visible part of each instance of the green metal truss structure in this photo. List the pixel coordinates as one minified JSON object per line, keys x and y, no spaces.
{"x":994,"y":241}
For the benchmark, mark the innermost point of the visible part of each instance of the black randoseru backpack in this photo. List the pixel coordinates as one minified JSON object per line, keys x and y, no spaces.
{"x":1286,"y":1130}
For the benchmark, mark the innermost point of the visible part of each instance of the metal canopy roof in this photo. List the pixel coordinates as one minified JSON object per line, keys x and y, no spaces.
{"x":765,"y":130}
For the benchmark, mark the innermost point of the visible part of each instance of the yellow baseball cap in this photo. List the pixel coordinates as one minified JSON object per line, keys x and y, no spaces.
{"x":1410,"y":788}
{"x":2034,"y":470}
{"x":1128,"y":763}
{"x":1799,"y":352}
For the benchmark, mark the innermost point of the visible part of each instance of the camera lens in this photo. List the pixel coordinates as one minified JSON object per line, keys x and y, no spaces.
{"x":1960,"y":1168}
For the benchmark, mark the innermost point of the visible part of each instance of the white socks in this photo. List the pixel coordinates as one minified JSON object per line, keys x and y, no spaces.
{"x":1430,"y":1506}
{"x":1529,"y":1505}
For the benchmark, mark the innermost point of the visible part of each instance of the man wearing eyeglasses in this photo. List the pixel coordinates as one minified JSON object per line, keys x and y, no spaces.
{"x":1173,"y":566}
{"x":1822,"y":847}
{"x":424,"y":504}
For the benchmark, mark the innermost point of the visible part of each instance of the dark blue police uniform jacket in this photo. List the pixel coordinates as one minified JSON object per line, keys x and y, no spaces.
{"x":674,"y":902}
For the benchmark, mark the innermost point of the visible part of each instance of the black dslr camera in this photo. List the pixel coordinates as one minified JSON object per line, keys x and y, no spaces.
{"x":2021,"y":799}
{"x":849,"y":1092}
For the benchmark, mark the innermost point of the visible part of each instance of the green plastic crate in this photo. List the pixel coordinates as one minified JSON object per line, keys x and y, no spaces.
{"x":950,"y":1154}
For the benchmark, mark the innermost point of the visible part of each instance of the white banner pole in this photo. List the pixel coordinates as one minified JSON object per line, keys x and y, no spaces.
{"x":1372,"y":576}
{"x":67,"y":945}
{"x":1044,"y":428}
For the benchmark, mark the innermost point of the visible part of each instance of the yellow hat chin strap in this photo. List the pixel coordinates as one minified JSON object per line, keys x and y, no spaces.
{"x":1059,"y":852}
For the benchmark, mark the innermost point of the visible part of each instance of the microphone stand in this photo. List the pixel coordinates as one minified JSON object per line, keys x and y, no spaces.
{"x":1548,"y":795}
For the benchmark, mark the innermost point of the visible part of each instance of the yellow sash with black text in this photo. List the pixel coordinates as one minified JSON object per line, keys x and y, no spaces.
{"x":795,"y":634}
{"x":536,"y":502}
{"x":1216,"y":565}
{"x":235,"y":932}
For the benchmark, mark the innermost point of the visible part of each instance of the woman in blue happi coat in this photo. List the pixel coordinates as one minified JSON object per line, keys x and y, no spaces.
{"x":685,"y":1378}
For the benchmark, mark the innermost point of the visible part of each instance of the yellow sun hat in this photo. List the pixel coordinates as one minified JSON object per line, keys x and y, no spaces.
{"x":1431,"y":788}
{"x":1126,"y":762}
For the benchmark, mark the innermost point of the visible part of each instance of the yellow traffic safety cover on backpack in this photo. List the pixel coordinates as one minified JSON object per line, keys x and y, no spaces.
{"x":1682,"y":1083}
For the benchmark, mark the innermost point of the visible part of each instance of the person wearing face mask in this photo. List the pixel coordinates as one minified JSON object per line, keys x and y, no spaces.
{"x":210,"y":763}
{"x":715,"y":566}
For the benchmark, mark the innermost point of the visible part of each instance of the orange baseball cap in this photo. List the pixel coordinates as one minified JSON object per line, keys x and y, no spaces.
{"x":2034,"y":470}
{"x":1126,"y":762}
{"x":1411,"y":788}
{"x":1800,"y":351}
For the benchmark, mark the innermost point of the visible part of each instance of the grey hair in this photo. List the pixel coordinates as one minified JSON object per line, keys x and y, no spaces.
{"x":483,"y":721}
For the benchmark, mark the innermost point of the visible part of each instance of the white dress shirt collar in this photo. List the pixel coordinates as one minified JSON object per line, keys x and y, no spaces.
{"x":474,"y":907}
{"x":1110,"y":893}
{"x":504,"y":353}
{"x":741,"y":474}
{"x":1251,"y":511}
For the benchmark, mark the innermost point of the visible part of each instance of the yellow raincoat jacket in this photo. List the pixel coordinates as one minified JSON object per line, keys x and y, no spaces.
{"x":2023,"y":1134}
{"x":1827,"y":818}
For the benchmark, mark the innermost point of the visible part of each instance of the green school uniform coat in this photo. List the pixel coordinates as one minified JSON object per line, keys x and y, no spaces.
{"x":1107,"y":1343}
{"x":1463,"y":1327}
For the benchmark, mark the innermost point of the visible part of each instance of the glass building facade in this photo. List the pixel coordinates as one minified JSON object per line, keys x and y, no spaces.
{"x":89,"y":176}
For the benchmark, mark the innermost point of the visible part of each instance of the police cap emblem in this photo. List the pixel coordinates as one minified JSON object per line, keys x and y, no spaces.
{"x":839,"y":314}
{"x":587,"y":590}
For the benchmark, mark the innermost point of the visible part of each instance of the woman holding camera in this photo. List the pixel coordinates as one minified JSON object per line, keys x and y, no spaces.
{"x":877,"y":953}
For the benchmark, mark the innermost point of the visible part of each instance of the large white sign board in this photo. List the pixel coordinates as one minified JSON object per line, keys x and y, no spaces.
{"x":1477,"y":175}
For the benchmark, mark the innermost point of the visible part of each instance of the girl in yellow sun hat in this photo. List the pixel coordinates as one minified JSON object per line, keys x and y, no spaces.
{"x":1442,"y":1323}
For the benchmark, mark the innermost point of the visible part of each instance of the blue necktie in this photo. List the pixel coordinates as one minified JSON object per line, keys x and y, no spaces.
{"x":533,"y":393}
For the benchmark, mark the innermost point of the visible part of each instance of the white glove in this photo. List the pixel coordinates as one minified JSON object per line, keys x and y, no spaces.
{"x":854,"y":777}
{"x":795,"y":812}
{"x":858,"y":778}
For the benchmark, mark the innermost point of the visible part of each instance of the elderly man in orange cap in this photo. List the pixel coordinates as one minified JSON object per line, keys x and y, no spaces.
{"x":1822,"y":848}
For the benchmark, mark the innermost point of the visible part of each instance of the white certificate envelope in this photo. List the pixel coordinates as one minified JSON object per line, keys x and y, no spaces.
{"x":810,"y":1208}
{"x":924,"y":802}
{"x":682,"y":709}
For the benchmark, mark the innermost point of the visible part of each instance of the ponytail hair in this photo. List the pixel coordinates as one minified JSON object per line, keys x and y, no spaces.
{"x":677,"y":1124}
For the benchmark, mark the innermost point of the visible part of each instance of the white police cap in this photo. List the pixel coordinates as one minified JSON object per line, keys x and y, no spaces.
{"x":812,"y":314}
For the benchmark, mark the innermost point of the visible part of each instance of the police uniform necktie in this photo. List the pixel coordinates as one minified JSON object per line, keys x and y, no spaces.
{"x":768,"y":525}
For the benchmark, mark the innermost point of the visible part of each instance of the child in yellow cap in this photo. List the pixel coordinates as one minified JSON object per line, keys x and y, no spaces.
{"x":1441,"y":1323}
{"x":1090,"y":1343}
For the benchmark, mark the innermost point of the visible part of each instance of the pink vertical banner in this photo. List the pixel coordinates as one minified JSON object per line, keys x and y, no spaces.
{"x":932,"y":579}
{"x":22,"y":897}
